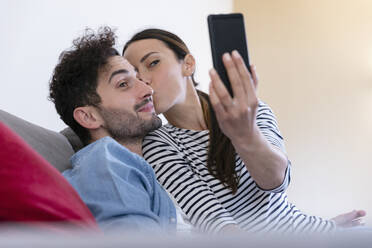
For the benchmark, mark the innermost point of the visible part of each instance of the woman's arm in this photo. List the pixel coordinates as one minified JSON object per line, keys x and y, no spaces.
{"x":265,"y":162}
{"x":237,"y":119}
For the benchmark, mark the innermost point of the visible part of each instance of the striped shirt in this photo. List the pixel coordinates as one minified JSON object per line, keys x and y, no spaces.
{"x":179,"y":158}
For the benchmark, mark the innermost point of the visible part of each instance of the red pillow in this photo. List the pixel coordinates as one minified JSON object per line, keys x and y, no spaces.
{"x":34,"y":192}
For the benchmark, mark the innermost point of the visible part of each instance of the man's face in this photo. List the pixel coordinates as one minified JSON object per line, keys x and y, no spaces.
{"x":126,"y":102}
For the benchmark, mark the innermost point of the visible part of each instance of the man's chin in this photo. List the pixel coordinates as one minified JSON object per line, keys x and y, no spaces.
{"x":151,"y":124}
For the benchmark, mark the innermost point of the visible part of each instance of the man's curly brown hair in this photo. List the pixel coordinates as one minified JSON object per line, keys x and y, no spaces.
{"x":74,"y":80}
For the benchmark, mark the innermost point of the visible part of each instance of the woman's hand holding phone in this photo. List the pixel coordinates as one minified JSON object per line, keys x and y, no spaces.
{"x":236,"y":117}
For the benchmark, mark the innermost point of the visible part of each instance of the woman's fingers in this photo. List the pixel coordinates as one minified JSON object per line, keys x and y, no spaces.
{"x":222,"y":96}
{"x":234,"y":77}
{"x":242,"y":70}
{"x":246,"y":79}
{"x":254,"y":76}
{"x":242,"y":107}
{"x":352,"y":218}
{"x":215,"y":101}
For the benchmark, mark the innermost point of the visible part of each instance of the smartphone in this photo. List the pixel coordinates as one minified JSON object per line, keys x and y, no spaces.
{"x":227,"y":33}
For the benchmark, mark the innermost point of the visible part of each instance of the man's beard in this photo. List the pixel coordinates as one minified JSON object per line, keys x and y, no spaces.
{"x":126,"y":127}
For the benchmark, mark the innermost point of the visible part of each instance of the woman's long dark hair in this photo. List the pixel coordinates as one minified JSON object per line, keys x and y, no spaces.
{"x":221,"y":153}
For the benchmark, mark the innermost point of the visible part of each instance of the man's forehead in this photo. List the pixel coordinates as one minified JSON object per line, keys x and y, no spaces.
{"x":114,"y":63}
{"x":118,"y":62}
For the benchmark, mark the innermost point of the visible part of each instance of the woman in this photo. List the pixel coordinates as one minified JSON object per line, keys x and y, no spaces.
{"x":221,"y":158}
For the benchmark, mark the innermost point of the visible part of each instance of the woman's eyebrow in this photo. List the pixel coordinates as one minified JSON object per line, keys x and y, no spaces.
{"x":146,"y":56}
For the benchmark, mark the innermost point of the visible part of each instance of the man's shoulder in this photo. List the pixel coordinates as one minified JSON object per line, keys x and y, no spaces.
{"x":105,"y":151}
{"x":93,"y":150}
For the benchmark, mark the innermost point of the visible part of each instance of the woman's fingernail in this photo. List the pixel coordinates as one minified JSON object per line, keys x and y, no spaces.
{"x":226,"y":56}
{"x":235,"y":54}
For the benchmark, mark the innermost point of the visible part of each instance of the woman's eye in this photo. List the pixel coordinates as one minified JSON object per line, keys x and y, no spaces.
{"x":153,"y":63}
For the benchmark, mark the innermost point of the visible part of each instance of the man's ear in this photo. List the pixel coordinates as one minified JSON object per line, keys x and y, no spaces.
{"x":188,"y":65}
{"x":88,"y":117}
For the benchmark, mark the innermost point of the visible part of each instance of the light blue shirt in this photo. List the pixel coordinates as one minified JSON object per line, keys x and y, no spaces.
{"x":120,"y":188}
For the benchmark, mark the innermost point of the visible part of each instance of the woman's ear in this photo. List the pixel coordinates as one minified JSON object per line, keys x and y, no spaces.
{"x":188,"y":65}
{"x":88,"y":117}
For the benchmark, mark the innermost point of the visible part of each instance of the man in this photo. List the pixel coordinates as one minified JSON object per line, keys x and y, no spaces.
{"x":96,"y":93}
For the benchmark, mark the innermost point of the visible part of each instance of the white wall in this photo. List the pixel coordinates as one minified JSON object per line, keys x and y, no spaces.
{"x":314,"y":58}
{"x":34,"y":33}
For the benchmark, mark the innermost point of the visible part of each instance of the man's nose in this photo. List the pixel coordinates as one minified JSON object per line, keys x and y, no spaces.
{"x":145,"y":88}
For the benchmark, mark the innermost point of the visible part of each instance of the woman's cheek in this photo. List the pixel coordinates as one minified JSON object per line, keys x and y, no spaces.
{"x":157,"y":103}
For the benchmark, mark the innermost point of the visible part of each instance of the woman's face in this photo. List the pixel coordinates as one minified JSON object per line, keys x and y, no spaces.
{"x":158,"y":66}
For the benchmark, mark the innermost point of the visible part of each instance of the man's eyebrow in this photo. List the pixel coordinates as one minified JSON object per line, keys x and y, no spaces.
{"x":118,"y":72}
{"x":146,"y":56}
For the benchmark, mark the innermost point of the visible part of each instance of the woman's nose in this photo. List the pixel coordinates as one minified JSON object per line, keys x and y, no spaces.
{"x":143,"y":79}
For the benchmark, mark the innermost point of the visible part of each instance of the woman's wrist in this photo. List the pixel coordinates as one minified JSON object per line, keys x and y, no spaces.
{"x":251,"y":143}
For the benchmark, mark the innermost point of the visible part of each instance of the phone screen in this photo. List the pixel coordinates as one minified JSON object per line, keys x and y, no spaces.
{"x":227,"y":33}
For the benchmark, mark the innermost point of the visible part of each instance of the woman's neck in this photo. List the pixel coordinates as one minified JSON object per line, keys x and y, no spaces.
{"x":187,"y":114}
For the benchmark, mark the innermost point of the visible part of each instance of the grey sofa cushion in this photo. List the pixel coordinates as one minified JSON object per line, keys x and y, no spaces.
{"x":53,"y":146}
{"x":74,"y":140}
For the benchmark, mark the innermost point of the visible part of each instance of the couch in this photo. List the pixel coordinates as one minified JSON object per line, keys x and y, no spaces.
{"x":33,"y":191}
{"x":56,"y":148}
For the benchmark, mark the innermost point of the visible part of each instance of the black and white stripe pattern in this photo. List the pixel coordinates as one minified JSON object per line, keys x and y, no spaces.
{"x":179,"y":157}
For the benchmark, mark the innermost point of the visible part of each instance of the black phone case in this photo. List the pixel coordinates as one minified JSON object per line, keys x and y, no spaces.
{"x":227,"y":33}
